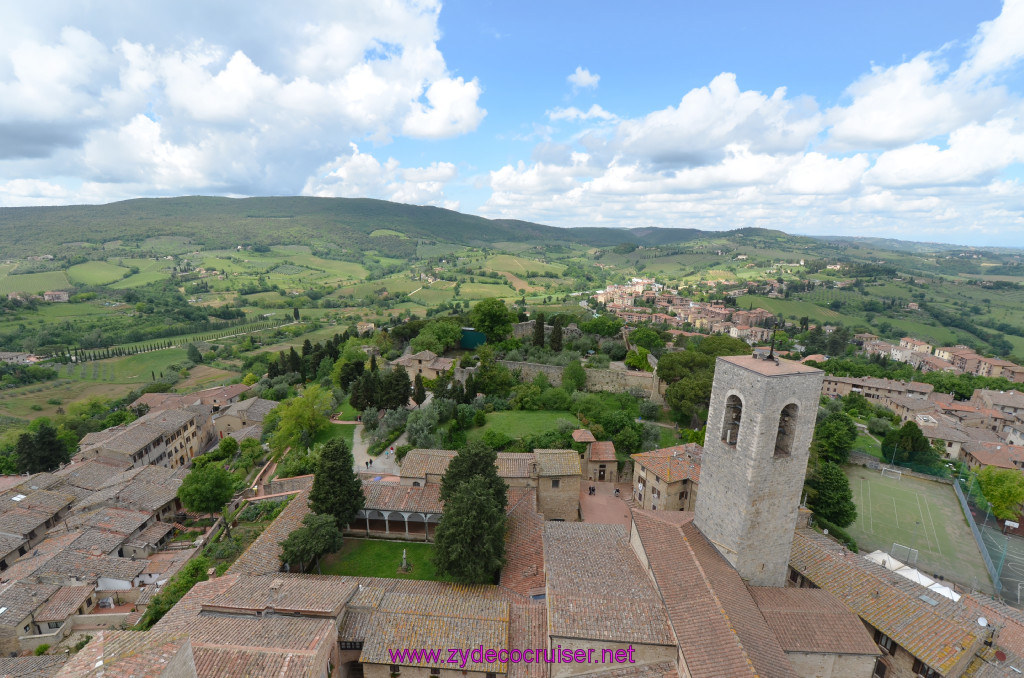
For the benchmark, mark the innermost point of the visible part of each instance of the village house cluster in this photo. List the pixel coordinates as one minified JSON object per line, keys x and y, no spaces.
{"x":730,"y":582}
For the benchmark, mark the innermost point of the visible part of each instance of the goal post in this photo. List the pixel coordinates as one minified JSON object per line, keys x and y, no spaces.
{"x":903,"y":553}
{"x":890,"y":472}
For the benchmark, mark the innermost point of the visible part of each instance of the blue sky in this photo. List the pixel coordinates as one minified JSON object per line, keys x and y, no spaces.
{"x":880,"y":119}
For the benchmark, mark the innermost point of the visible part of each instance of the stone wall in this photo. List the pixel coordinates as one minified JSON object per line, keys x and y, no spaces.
{"x":597,"y":380}
{"x":559,"y":503}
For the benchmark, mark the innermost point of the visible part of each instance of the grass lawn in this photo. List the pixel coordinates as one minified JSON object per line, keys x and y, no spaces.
{"x":347,"y":412}
{"x":667,"y":437}
{"x":343,"y":431}
{"x":377,"y":558}
{"x":868,"y":445}
{"x":517,"y":424}
{"x":96,"y":273}
{"x":922,"y":514}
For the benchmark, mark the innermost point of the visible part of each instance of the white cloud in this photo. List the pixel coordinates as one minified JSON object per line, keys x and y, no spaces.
{"x":998,"y":44}
{"x":581,"y":78}
{"x":360,"y":175}
{"x":708,"y":119}
{"x":574,"y":114}
{"x":159,"y":101}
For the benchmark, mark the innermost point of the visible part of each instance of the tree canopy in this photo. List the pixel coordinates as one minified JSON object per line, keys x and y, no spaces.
{"x":438,"y":336}
{"x":302,"y":417}
{"x":470,"y":540}
{"x":318,"y":536}
{"x":492,"y":317}
{"x":475,"y":460}
{"x":337,"y":490}
{"x":1004,"y":489}
{"x":206,"y":489}
{"x":40,"y":450}
{"x":831,"y":496}
{"x":834,"y":437}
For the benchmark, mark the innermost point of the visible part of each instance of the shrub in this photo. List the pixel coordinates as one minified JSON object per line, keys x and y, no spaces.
{"x":649,"y":410}
{"x":495,"y":439}
{"x":42,"y":649}
{"x":839,"y":533}
{"x":401,"y":451}
{"x":82,"y":643}
{"x":879,"y":426}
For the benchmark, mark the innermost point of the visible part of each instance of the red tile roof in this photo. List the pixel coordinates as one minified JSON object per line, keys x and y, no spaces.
{"x":812,"y":620}
{"x":602,"y":451}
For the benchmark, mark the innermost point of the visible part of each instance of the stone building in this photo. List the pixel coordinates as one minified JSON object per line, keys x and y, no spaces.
{"x":667,"y":479}
{"x":755,"y":457}
{"x":599,"y":461}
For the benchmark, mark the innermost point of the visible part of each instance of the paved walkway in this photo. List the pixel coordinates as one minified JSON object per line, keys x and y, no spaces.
{"x":385,"y":465}
{"x":604,"y":507}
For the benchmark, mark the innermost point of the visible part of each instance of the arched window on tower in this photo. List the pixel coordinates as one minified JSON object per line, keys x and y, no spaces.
{"x":787,"y":429}
{"x":731,"y":425}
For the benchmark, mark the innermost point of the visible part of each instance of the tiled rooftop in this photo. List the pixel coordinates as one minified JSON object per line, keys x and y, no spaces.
{"x":672,"y":464}
{"x":63,"y":603}
{"x":558,"y":462}
{"x":419,"y":462}
{"x":719,"y":629}
{"x":312,"y":595}
{"x":812,"y":620}
{"x":393,"y":497}
{"x":94,"y":538}
{"x":264,"y":555}
{"x":90,"y":568}
{"x":524,"y":548}
{"x":602,"y":451}
{"x":21,"y":521}
{"x":514,"y":464}
{"x":117,"y":654}
{"x":582,"y":435}
{"x":931,"y":634}
{"x":20,"y":599}
{"x":122,"y":521}
{"x":43,"y":666}
{"x":597,"y":589}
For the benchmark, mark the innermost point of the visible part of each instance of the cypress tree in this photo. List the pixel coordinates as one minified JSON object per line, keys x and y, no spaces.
{"x":538,"y":330}
{"x":337,"y":490}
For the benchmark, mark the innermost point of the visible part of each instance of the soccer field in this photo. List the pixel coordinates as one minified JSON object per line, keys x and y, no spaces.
{"x":921,"y":514}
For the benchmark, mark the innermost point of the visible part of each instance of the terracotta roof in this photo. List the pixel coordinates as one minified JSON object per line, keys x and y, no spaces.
{"x":184,"y":612}
{"x":20,"y":522}
{"x":658,"y":670}
{"x":524,"y":548}
{"x":456,"y":618}
{"x":311,"y":595}
{"x":558,"y":462}
{"x":719,"y":629}
{"x":393,"y":497}
{"x":20,"y":599}
{"x":602,"y":451}
{"x":9,"y":543}
{"x":419,"y":462}
{"x":528,"y":626}
{"x":64,"y":603}
{"x":597,"y":589}
{"x":43,"y":501}
{"x":90,"y":568}
{"x":264,"y":555}
{"x":94,"y":538}
{"x":125,"y":653}
{"x":253,"y":409}
{"x":927,"y":632}
{"x":122,"y":521}
{"x":582,"y":435}
{"x":90,"y":475}
{"x":153,"y":533}
{"x":514,"y":464}
{"x":167,"y":563}
{"x":672,"y":464}
{"x":1000,"y":455}
{"x":38,"y":556}
{"x":43,"y":666}
{"x":812,"y":620}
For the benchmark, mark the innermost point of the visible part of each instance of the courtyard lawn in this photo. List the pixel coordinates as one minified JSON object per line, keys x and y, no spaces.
{"x":920,"y":514}
{"x":868,"y":445}
{"x":667,"y":437}
{"x":378,"y":558}
{"x":344,"y":431}
{"x":347,"y":412}
{"x":516,"y":424}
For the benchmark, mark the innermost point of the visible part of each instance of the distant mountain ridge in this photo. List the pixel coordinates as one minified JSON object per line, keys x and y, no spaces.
{"x":345,"y":222}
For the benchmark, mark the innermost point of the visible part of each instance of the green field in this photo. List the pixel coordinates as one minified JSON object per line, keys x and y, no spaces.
{"x":922,"y":514}
{"x":378,"y":558}
{"x":521,"y":423}
{"x":521,"y":265}
{"x":344,"y":431}
{"x":96,"y":273}
{"x":33,"y":283}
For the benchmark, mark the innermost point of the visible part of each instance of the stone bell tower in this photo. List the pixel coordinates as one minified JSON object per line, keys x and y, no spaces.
{"x":758,"y":440}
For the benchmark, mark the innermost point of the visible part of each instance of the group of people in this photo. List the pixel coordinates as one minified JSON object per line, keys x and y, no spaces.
{"x":592,"y":490}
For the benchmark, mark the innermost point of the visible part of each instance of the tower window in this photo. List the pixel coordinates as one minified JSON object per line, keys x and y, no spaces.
{"x":731,"y":425}
{"x":787,"y":428}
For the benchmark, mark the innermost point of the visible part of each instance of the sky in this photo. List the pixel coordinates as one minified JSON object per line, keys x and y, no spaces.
{"x":899,"y":120}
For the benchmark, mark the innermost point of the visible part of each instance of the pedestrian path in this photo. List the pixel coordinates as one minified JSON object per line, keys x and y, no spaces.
{"x":383,"y":464}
